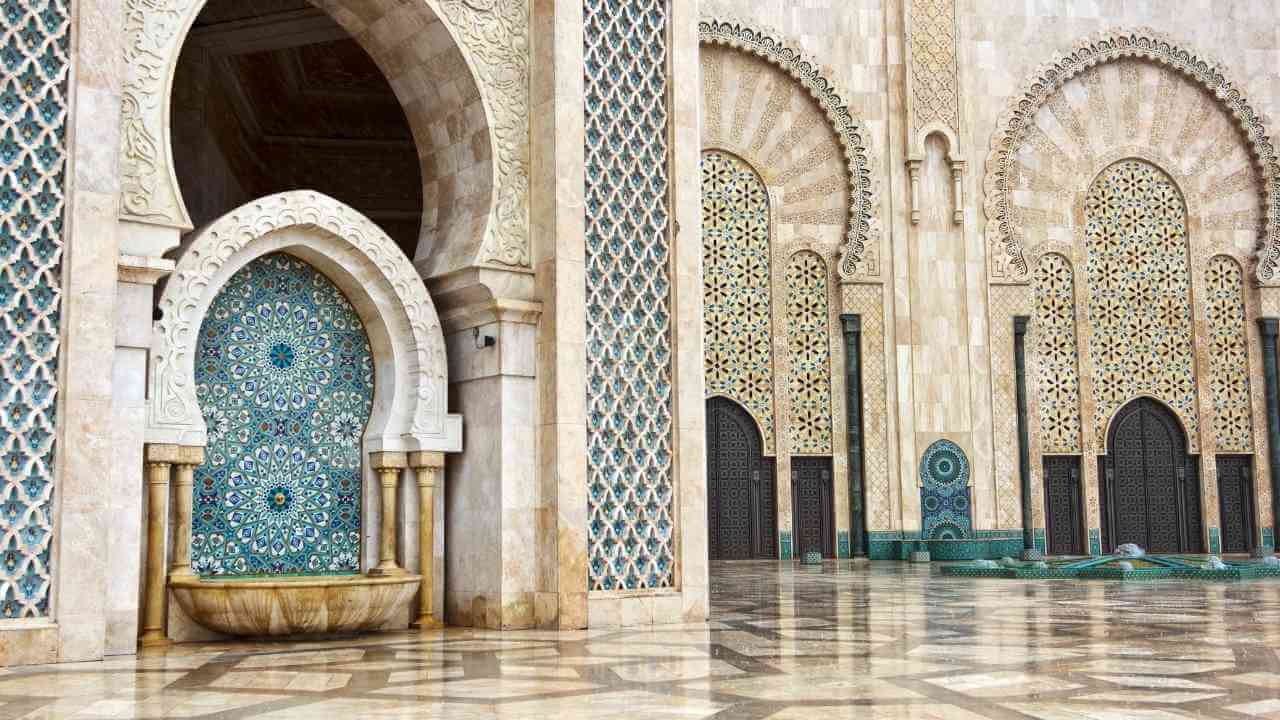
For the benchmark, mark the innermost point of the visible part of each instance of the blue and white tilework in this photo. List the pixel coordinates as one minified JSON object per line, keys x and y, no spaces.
{"x":944,"y":492}
{"x":284,"y":373}
{"x":631,"y":536}
{"x":34,"y":38}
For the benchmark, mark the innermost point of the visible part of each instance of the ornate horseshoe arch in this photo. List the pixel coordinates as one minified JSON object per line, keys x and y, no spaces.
{"x":862,"y":228}
{"x":411,"y":388}
{"x":1007,"y":251}
{"x":490,"y":38}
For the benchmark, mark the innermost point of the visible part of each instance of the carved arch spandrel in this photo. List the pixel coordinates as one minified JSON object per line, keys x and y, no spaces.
{"x":861,"y":237}
{"x":411,"y":397}
{"x":490,"y":38}
{"x":1042,"y":116}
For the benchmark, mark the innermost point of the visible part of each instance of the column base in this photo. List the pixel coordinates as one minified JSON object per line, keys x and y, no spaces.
{"x":187,"y":577}
{"x":426,"y":622}
{"x":387,"y":572}
{"x":153,"y":639}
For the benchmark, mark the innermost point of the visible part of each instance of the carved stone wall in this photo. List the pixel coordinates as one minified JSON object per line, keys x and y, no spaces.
{"x":934,"y":67}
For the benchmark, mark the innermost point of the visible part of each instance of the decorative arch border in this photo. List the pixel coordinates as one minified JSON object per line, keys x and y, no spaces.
{"x":1107,"y":47}
{"x":862,"y":225}
{"x":411,"y":391}
{"x":490,"y":35}
{"x":1188,"y":446}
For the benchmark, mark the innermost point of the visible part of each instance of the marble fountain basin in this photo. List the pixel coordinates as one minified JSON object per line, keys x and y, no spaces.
{"x":295,"y":606}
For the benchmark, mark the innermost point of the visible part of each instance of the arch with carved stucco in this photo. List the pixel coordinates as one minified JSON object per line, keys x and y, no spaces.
{"x":1008,"y":238}
{"x":460,"y":70}
{"x":411,"y":378}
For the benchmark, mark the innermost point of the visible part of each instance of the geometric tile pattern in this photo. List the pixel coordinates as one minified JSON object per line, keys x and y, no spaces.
{"x":868,"y":302}
{"x":33,"y":112}
{"x":885,"y":643}
{"x":629,"y":415}
{"x":1007,"y":302}
{"x":1139,"y":294}
{"x":809,"y":337}
{"x":284,"y":373}
{"x":735,"y":281}
{"x":1058,"y":380}
{"x":944,"y":493}
{"x":1228,"y":356}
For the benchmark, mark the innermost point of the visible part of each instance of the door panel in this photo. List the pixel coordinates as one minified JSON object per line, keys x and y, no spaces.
{"x":811,"y":491}
{"x":1150,"y":486}
{"x":1235,"y":502}
{"x":740,"y":486}
{"x":1062,"y":502}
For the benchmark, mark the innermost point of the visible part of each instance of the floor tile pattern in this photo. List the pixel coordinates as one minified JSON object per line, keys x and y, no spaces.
{"x":887,"y":641}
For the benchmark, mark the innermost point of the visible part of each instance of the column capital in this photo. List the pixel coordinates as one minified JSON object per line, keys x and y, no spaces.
{"x":852,"y":323}
{"x":1020,"y":324}
{"x":389,"y":460}
{"x":1269,"y":326}
{"x":426,"y":459}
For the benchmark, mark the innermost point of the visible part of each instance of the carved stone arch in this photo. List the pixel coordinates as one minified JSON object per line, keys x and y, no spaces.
{"x":861,"y":226}
{"x":485,"y":105}
{"x":1018,"y":128}
{"x":411,"y":385}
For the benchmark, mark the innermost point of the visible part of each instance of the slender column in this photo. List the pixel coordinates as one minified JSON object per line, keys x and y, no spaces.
{"x":1024,"y":441}
{"x":429,"y":468}
{"x":388,"y":466}
{"x":158,"y":469}
{"x":1269,"y":328}
{"x":183,"y":493}
{"x":853,"y":390}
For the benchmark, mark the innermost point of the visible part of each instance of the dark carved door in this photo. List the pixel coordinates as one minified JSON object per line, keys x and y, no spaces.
{"x":1150,"y":485}
{"x":1235,"y":502}
{"x":740,"y":486}
{"x":1063,"y":521}
{"x":811,"y":505}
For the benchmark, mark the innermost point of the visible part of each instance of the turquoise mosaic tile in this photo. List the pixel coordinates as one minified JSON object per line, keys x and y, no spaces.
{"x":284,"y":373}
{"x":944,"y":492}
{"x":842,"y":544}
{"x":784,"y":545}
{"x":33,"y":156}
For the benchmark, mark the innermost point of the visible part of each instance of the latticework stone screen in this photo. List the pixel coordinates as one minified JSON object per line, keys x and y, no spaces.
{"x":629,"y":416}
{"x":33,"y":113}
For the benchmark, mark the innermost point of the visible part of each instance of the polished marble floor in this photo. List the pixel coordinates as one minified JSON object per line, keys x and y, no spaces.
{"x":881,"y":641}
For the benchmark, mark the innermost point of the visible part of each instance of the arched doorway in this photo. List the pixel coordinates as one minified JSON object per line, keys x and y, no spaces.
{"x":1150,"y":485}
{"x":741,"y":515}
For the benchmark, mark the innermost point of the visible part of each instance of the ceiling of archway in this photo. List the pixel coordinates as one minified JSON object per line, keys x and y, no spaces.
{"x":294,"y":102}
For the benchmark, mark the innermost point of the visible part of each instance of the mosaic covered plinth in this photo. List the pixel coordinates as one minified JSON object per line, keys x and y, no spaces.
{"x":315,"y":606}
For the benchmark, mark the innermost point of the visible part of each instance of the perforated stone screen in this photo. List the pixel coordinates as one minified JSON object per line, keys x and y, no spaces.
{"x":34,"y":36}
{"x":629,"y":424}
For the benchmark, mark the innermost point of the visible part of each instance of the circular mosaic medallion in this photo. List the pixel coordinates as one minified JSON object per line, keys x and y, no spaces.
{"x":944,"y":492}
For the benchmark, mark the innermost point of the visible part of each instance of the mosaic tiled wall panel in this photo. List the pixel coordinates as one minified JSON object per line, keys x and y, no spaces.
{"x":735,"y":281}
{"x":1228,"y":357}
{"x":809,"y":384}
{"x":1058,"y":381}
{"x":284,"y":373}
{"x":1139,"y":294}
{"x":944,"y":493}
{"x":629,"y":424}
{"x":33,"y":113}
